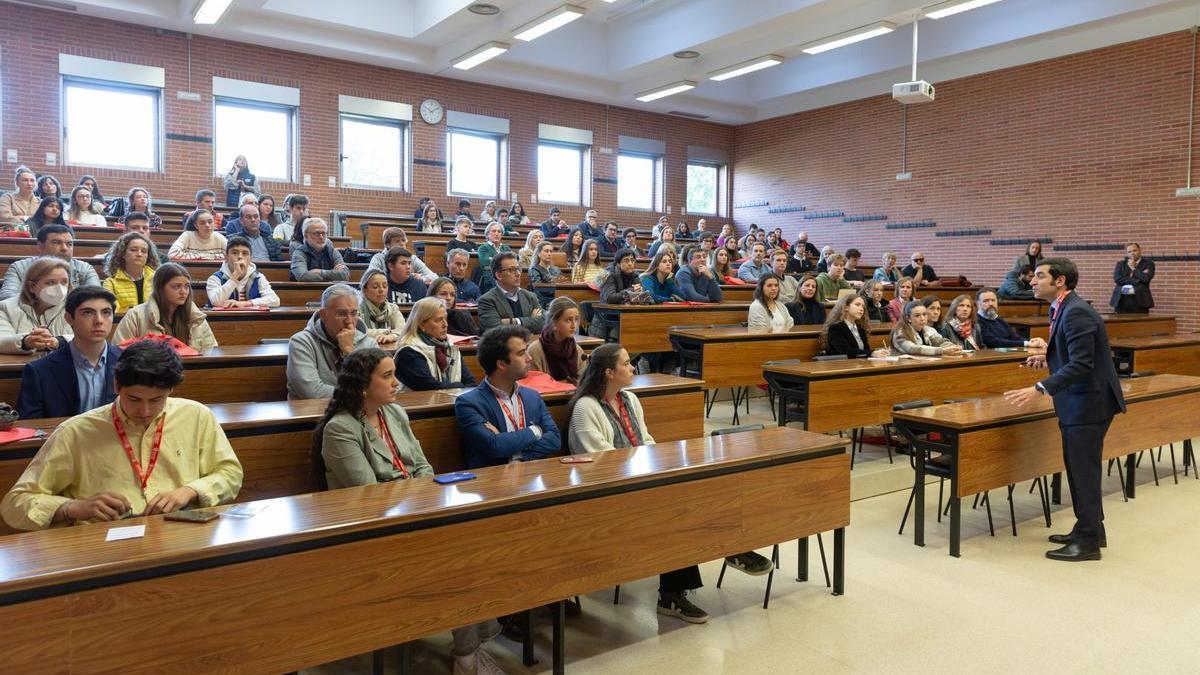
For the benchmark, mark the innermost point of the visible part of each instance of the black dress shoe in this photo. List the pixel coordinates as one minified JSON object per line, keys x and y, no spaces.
{"x":1074,"y":553}
{"x":1066,"y":539}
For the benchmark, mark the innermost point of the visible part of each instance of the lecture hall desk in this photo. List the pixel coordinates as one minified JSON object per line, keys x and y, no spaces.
{"x":644,"y":327}
{"x":585,"y":293}
{"x":201,"y":270}
{"x":1117,"y":325}
{"x":320,"y":577}
{"x":1178,"y":354}
{"x":838,"y":395}
{"x":993,"y":444}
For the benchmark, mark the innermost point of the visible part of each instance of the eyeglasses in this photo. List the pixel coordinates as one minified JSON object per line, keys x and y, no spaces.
{"x":344,"y":314}
{"x":505,"y":270}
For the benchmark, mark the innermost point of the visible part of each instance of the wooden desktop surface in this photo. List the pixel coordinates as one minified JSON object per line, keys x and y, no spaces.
{"x":730,"y":293}
{"x":1117,"y":325}
{"x":1178,"y":354}
{"x":644,"y":328}
{"x":200,"y":271}
{"x":320,"y":577}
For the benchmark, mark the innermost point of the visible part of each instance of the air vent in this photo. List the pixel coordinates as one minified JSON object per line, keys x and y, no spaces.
{"x":689,"y":115}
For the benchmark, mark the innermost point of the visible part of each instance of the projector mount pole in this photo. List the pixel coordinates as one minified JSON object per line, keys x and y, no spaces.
{"x":916,"y":20}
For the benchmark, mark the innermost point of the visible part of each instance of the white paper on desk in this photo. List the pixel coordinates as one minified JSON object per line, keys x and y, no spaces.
{"x":885,"y":359}
{"x":131,"y":532}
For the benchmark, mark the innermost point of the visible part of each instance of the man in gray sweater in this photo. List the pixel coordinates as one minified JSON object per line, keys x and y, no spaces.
{"x":57,"y":241}
{"x":694,"y":282}
{"x":315,"y":353}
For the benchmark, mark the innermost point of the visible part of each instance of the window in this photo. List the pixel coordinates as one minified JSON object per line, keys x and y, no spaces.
{"x":562,"y":173}
{"x":702,"y":188}
{"x":639,"y":182}
{"x":475,"y":163}
{"x":263,"y":132}
{"x":372,"y":152}
{"x":110,"y":125}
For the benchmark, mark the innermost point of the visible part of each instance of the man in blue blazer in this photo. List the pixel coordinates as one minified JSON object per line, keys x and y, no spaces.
{"x":502,"y":421}
{"x":1083,"y":382}
{"x":78,"y":376}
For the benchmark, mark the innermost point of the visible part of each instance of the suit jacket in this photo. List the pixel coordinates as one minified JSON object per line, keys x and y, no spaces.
{"x":49,"y":387}
{"x":493,"y":307}
{"x":841,"y":341}
{"x":481,"y":447}
{"x":1083,"y":380}
{"x":1139,"y":278}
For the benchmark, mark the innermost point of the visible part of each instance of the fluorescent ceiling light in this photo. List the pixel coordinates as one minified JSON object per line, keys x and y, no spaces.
{"x":849,"y":37}
{"x":665,"y":91}
{"x":745,"y":67}
{"x":480,"y":54}
{"x":210,"y":11}
{"x":944,"y":9}
{"x":547,"y":22}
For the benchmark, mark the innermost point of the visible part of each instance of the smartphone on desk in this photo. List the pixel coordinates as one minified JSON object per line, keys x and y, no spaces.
{"x":576,"y":459}
{"x":455,"y":477}
{"x":192,"y":516}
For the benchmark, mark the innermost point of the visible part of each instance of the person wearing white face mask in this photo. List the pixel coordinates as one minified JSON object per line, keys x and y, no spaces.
{"x":34,"y":320}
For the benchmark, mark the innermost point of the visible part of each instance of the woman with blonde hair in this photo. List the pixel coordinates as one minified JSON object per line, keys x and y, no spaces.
{"x":525,"y":256}
{"x":35,"y":319}
{"x":962,"y":323}
{"x":83,"y":210}
{"x":426,"y":359}
{"x":384,"y":320}
{"x":903,"y":294}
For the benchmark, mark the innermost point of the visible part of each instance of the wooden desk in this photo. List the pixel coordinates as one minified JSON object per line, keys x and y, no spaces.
{"x":291,"y":293}
{"x":730,"y":293}
{"x":644,"y":327}
{"x":1117,"y":325}
{"x":244,"y":327}
{"x":372,"y":232}
{"x":200,"y":270}
{"x":993,"y":444}
{"x":321,"y":577}
{"x":837,"y":395}
{"x":1178,"y":354}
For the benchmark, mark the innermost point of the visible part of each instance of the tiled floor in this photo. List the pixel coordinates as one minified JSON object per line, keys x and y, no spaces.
{"x":1001,"y":608}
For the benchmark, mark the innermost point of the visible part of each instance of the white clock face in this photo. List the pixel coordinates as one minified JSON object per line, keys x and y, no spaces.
{"x":431,"y":111}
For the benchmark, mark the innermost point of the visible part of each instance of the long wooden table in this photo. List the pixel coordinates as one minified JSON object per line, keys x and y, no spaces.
{"x":201,"y":270}
{"x":1117,"y":325}
{"x":730,"y":293}
{"x":838,"y":395}
{"x":1178,"y":354}
{"x":320,"y":577}
{"x":992,"y":444}
{"x":644,"y":328}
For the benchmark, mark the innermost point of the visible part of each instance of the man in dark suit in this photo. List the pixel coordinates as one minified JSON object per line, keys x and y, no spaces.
{"x":507,"y":303}
{"x":78,"y":376}
{"x":1083,"y":382}
{"x":1132,"y":277}
{"x":502,"y":421}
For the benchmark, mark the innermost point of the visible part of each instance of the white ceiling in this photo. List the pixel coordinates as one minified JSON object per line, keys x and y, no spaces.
{"x":617,"y":50}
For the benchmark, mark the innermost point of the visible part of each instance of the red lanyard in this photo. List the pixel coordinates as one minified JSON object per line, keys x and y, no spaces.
{"x":387,"y":437}
{"x":626,"y":423}
{"x":518,"y":421}
{"x":1057,"y":311}
{"x":133,"y":458}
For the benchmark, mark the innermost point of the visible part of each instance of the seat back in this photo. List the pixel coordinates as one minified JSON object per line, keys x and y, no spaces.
{"x":273,"y":341}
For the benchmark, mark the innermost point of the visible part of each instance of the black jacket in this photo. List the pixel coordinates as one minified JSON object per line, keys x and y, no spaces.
{"x":1139,"y":277}
{"x":1083,"y":380}
{"x":840,"y":340}
{"x":806,"y":313}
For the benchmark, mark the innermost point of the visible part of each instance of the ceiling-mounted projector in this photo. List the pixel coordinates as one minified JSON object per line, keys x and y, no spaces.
{"x":913,"y":92}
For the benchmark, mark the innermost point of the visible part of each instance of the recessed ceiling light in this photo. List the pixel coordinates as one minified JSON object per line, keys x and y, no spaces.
{"x":665,"y":91}
{"x":687,"y":54}
{"x":944,"y":9}
{"x":745,"y":67}
{"x":210,"y":11}
{"x":484,"y":52}
{"x":555,"y":18}
{"x":483,"y":9}
{"x":849,"y":37}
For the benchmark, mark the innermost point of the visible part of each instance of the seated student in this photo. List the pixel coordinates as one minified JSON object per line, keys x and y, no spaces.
{"x":35,"y":320}
{"x":382,"y":317}
{"x":542,"y":269}
{"x":629,"y":241}
{"x":962,"y":326}
{"x":89,"y":470}
{"x":827,"y":252}
{"x":17,"y":206}
{"x":855,"y":276}
{"x":316,"y":259}
{"x":806,"y":310}
{"x":903,"y":293}
{"x":170,"y":310}
{"x":238,"y":283}
{"x":572,"y":246}
{"x":488,"y":214}
{"x":403,"y":286}
{"x":49,"y":212}
{"x":832,"y":282}
{"x":464,"y":210}
{"x":458,"y":262}
{"x":431,"y":219}
{"x":89,"y":181}
{"x":137,"y":200}
{"x":199,"y":240}
{"x":48,"y":186}
{"x":1018,"y":284}
{"x":263,"y":245}
{"x":516,"y":214}
{"x":489,"y":249}
{"x":554,"y":227}
{"x":297,"y":210}
{"x":726,"y":233}
{"x":767,"y":311}
{"x":919,"y":272}
{"x":789,"y":286}
{"x":77,"y":376}
{"x":934,"y":317}
{"x":913,"y":336}
{"x":1032,"y":257}
{"x":589,"y":269}
{"x":798,"y":262}
{"x":500,"y":420}
{"x":84,"y":210}
{"x":694,"y":281}
{"x":752,"y":270}
{"x":666,"y":236}
{"x":421,"y":203}
{"x":733,"y":250}
{"x":393,"y":237}
{"x":847,"y":332}
{"x":57,"y":241}
{"x":268,"y":217}
{"x":995,"y":331}
{"x":206,"y":201}
{"x":887,"y":274}
{"x":659,"y":279}
{"x":462,"y":230}
{"x":130,"y":270}
{"x":555,"y":350}
{"x":610,"y":242}
{"x":425,"y":359}
{"x":722,"y":271}
{"x":659,"y":226}
{"x":508,"y":303}
{"x":872,"y":295}
{"x":525,"y":255}
{"x":315,"y":354}
{"x":590,"y":225}
{"x":622,"y":286}
{"x":460,"y":321}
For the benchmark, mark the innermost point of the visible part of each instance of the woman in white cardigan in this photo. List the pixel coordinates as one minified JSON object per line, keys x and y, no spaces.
{"x":767,"y":313}
{"x":35,"y":319}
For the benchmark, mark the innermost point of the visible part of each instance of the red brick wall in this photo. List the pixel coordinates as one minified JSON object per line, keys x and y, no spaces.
{"x":1086,"y":148}
{"x":31,"y":40}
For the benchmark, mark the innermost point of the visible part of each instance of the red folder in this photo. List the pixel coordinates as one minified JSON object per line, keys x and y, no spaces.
{"x":543,"y":384}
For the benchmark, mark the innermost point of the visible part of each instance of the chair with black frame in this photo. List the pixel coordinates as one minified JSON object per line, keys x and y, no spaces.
{"x":774,"y":549}
{"x":1187,"y":452}
{"x":691,"y":363}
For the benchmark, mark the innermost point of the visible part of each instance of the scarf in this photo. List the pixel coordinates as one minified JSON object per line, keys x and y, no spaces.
{"x":561,"y":355}
{"x":963,"y":328}
{"x":620,"y":438}
{"x":441,"y":352}
{"x":375,"y":316}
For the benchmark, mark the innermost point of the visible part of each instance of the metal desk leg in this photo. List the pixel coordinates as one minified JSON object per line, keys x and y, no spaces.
{"x":527,"y":649}
{"x":560,"y":652}
{"x":919,"y":499}
{"x":1130,"y":474}
{"x":839,"y":560}
{"x":955,"y":514}
{"x":802,"y":559}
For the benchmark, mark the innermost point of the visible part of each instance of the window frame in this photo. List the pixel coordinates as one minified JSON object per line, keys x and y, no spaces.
{"x":657,"y":186}
{"x":293,"y":114}
{"x":585,"y":173}
{"x":501,"y":141}
{"x":405,"y":151}
{"x":156,"y":93}
{"x":720,"y":169}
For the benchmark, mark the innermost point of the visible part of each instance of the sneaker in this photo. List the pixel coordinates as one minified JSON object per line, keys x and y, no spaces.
{"x":678,"y":606}
{"x":751,"y":563}
{"x":479,"y":663}
{"x":489,"y":630}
